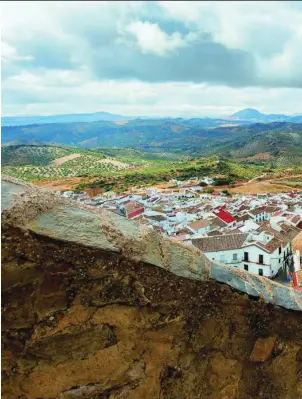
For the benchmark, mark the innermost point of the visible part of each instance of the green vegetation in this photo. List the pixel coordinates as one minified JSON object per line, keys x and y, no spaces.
{"x":33,"y":163}
{"x":32,"y":155}
{"x":171,"y":139}
{"x":159,"y":172}
{"x":119,"y":169}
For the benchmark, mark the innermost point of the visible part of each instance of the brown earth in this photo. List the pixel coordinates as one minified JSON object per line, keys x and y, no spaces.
{"x":262,"y":187}
{"x":84,"y":323}
{"x":68,"y":183}
{"x":262,"y":156}
{"x":60,"y":161}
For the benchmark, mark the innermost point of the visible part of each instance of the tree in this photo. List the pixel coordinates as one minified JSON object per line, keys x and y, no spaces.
{"x":209,"y":190}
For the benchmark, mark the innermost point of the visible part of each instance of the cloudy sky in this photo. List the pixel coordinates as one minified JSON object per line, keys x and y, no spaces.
{"x":151,"y":58}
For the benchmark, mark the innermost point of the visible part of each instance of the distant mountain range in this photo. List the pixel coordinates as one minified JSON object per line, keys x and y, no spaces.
{"x":69,"y":118}
{"x":252,"y":115}
{"x":243,"y":117}
{"x":280,"y":142}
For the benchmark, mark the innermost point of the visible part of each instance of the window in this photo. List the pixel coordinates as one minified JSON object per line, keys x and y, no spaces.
{"x":235,"y":256}
{"x":246,"y":267}
{"x":222,"y":258}
{"x":246,"y":256}
{"x":279,"y":250}
{"x":261,"y":259}
{"x":260,"y":272}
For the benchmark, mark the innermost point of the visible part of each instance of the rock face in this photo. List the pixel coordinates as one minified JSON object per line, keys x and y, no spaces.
{"x":93,"y":306}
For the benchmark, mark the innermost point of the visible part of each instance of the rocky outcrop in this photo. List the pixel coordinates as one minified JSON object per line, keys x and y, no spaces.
{"x":94,"y":306}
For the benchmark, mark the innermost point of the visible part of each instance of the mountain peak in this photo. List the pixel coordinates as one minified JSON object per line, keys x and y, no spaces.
{"x":247,"y":113}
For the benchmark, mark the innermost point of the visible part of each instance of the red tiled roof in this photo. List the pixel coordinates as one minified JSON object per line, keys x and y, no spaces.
{"x":132,"y":207}
{"x":225,"y":216}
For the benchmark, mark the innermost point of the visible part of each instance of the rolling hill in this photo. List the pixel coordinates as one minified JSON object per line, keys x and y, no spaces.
{"x":281,"y":141}
{"x":31,"y":163}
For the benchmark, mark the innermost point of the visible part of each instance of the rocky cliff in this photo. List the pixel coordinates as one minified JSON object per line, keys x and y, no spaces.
{"x":94,"y":306}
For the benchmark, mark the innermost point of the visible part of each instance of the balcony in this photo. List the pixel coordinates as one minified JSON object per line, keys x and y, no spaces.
{"x":255,"y":263}
{"x":230,"y":262}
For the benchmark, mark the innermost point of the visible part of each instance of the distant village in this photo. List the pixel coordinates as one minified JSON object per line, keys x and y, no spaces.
{"x":253,"y":232}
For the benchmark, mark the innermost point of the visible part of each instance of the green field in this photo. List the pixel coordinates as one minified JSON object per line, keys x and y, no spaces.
{"x":119,"y":169}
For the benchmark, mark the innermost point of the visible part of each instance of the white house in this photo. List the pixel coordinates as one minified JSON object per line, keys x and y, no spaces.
{"x":200,"y":226}
{"x":258,"y":214}
{"x":262,"y":253}
{"x":208,"y":180}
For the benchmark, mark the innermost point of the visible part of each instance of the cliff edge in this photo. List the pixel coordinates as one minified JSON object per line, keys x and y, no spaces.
{"x":96,"y":306}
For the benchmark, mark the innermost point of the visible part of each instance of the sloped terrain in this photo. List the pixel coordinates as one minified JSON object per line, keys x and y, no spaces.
{"x":48,"y":162}
{"x":93,"y":307}
{"x":18,"y":155}
{"x":281,"y":140}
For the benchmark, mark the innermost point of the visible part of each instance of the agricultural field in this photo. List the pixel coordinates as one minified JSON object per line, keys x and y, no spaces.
{"x":105,"y":169}
{"x":35,"y":163}
{"x":32,"y":155}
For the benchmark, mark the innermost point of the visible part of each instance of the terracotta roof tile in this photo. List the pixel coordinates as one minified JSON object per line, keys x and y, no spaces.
{"x":220,"y":243}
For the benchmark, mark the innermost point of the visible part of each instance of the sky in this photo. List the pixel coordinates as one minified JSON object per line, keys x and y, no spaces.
{"x":145,"y":58}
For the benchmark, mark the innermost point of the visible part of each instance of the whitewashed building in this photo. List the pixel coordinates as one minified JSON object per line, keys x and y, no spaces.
{"x":263,"y":252}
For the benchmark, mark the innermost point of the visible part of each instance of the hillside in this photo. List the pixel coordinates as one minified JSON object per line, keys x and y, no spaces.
{"x":33,"y":163}
{"x":19,"y":155}
{"x":278,"y":138}
{"x":112,"y":168}
{"x":96,"y":306}
{"x":281,"y":142}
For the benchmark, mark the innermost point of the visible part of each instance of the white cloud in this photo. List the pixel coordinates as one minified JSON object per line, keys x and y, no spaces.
{"x":270,"y":33}
{"x":9,"y":53}
{"x":51,"y":92}
{"x":151,"y":39}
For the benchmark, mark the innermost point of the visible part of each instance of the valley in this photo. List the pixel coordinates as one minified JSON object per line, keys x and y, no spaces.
{"x":276,"y":143}
{"x":121,"y":170}
{"x":81,"y":152}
